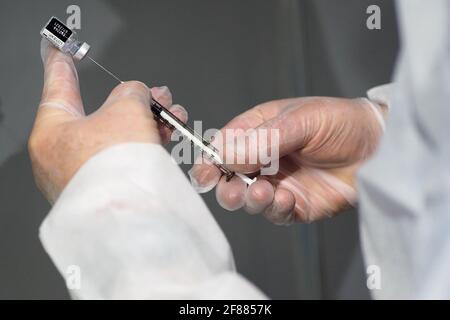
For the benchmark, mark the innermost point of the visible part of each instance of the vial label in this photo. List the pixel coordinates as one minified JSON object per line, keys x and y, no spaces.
{"x":56,"y":32}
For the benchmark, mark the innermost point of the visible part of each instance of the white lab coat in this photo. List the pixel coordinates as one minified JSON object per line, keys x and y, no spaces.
{"x":405,"y":188}
{"x":133,"y":227}
{"x":132,"y":224}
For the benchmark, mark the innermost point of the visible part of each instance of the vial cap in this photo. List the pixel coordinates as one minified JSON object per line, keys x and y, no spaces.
{"x":82,"y":51}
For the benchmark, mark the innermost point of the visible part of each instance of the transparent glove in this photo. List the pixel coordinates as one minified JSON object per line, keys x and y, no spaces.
{"x":63,"y":137}
{"x":322,"y":143}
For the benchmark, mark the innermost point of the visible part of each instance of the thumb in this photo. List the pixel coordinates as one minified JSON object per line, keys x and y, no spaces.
{"x":61,"y":99}
{"x":132,"y":91}
{"x":254,"y":148}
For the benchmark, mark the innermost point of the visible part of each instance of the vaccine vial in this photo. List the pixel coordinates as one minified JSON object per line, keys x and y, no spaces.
{"x":64,"y":39}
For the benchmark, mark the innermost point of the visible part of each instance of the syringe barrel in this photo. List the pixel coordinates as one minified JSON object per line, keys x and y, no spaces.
{"x":174,"y":123}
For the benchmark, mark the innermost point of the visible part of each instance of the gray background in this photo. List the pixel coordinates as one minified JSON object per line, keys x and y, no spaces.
{"x":219,"y":58}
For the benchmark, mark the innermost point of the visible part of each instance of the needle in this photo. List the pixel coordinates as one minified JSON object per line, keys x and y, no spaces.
{"x":172,"y":120}
{"x":106,"y":70}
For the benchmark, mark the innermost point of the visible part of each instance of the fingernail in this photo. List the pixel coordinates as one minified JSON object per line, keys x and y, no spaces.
{"x":196,"y":185}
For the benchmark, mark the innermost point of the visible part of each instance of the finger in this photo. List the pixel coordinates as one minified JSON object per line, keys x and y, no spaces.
{"x":204,"y":175}
{"x":259,"y":196}
{"x":162,"y":95}
{"x":281,"y":211}
{"x":231,"y":194}
{"x":61,"y":92}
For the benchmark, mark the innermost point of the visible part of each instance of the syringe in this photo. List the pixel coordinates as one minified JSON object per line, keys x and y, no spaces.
{"x":65,"y":39}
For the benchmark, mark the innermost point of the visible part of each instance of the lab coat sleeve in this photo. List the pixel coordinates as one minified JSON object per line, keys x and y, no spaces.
{"x":404,"y":189}
{"x":130,"y":226}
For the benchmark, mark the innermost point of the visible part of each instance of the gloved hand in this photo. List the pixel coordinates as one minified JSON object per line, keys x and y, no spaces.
{"x":322,"y":143}
{"x":63,"y":137}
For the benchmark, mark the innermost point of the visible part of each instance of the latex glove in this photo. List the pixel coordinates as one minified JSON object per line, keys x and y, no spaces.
{"x":63,"y":137}
{"x":323,"y":141}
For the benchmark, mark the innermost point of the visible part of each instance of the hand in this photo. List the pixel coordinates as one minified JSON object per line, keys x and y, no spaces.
{"x":63,"y":137}
{"x":323,"y":141}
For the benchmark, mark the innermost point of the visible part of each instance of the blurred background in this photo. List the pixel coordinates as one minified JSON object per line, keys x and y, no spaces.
{"x":219,"y":58}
